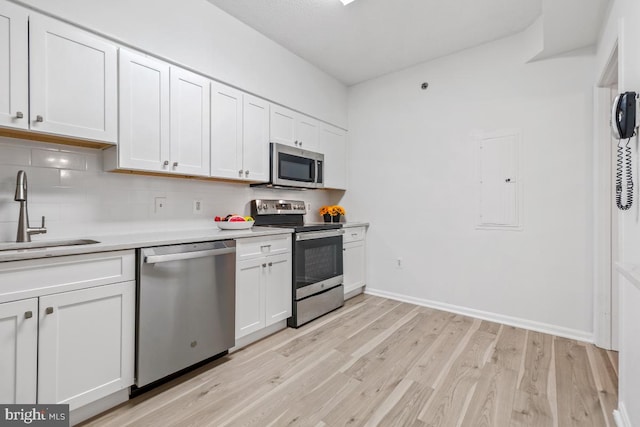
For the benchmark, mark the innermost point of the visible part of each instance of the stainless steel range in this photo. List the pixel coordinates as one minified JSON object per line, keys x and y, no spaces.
{"x":317,"y":258}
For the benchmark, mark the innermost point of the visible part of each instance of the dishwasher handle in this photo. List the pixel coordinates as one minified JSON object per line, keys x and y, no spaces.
{"x":156,"y":259}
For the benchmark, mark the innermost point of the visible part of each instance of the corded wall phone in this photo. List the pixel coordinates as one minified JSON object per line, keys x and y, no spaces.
{"x":623,"y":124}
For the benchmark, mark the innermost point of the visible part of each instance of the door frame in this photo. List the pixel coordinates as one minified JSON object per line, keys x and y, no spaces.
{"x":606,"y":253}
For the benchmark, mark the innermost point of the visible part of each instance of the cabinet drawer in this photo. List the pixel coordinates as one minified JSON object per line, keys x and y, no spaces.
{"x":261,"y":246}
{"x":353,"y":234}
{"x":32,"y":278}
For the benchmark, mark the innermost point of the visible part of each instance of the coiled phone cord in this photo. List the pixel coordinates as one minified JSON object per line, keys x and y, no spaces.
{"x":629,"y":175}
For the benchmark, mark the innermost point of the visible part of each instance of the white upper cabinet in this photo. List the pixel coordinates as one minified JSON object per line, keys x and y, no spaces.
{"x":190,"y":119}
{"x":283,"y":125}
{"x":333,"y":144}
{"x":164,"y":118}
{"x":144,"y":113}
{"x":239,"y":135}
{"x":255,"y":147}
{"x":73,"y":81}
{"x":14,"y":63}
{"x":226,"y":132}
{"x":294,"y":129}
{"x":307,"y":131}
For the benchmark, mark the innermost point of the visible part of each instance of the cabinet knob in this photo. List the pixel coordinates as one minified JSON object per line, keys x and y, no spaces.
{"x":49,"y":310}
{"x":39,"y":119}
{"x":264,"y":265}
{"x":300,"y":143}
{"x":246,"y":173}
{"x":165,"y":163}
{"x":19,"y":115}
{"x":270,"y":264}
{"x":175,"y":164}
{"x":28,"y":314}
{"x":295,"y":142}
{"x":240,"y":173}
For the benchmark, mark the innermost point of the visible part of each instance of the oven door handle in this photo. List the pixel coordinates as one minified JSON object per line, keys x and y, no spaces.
{"x":309,"y":235}
{"x":156,"y":259}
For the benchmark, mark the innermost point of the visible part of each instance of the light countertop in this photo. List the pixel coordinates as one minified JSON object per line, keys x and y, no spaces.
{"x":117,"y":242}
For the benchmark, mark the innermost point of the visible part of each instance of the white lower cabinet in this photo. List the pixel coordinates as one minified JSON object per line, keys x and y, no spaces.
{"x":354,"y":259}
{"x":263,"y":283}
{"x":85,"y":344}
{"x":18,"y":351}
{"x":250,"y":307}
{"x":69,"y":335}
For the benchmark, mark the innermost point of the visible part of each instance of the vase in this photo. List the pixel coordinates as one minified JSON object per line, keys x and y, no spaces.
{"x":336,"y":218}
{"x":327,"y":217}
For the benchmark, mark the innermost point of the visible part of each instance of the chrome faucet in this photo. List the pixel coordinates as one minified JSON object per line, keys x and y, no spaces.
{"x":24,"y":231}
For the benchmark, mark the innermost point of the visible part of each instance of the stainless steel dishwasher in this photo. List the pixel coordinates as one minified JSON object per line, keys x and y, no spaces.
{"x":186,"y":306}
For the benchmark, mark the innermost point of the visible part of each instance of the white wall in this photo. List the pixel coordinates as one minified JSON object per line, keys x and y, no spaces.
{"x":201,"y":36}
{"x":622,"y":28}
{"x":412,"y":175}
{"x":81,"y":200}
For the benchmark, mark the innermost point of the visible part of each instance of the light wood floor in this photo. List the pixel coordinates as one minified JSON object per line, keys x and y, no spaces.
{"x":381,"y":362}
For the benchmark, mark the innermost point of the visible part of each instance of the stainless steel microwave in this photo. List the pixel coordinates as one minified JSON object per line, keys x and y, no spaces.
{"x":294,"y":167}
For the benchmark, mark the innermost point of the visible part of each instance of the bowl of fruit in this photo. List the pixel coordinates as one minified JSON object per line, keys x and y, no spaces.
{"x":234,"y":222}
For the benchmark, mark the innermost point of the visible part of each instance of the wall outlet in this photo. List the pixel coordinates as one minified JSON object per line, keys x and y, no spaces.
{"x":197,"y":207}
{"x":160,"y":204}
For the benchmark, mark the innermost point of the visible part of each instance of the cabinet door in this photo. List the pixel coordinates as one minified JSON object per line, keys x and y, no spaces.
{"x":190,"y":99}
{"x":86,"y":344}
{"x":144,"y":113}
{"x":226,"y":132}
{"x":73,"y":81}
{"x":278,"y":288}
{"x":255,"y":147}
{"x":307,"y":131}
{"x":354,"y":265}
{"x":282,"y":125}
{"x":250,"y":278}
{"x":14,"y":71}
{"x":18,"y":351}
{"x":333,"y":146}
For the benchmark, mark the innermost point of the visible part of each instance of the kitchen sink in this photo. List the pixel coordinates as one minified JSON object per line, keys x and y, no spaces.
{"x":26,"y":246}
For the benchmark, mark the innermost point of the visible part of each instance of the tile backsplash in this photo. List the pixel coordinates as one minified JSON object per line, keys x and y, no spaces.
{"x":69,"y":187}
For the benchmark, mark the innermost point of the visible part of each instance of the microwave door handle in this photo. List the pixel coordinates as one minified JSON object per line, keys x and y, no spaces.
{"x":315,"y":172}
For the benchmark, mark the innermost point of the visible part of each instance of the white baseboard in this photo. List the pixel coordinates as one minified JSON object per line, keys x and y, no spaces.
{"x":348,"y":294}
{"x":485,"y":315}
{"x":258,"y":335}
{"x":621,"y":416}
{"x":94,"y":408}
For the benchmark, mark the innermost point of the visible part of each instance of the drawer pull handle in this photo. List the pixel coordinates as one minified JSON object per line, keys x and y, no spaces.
{"x":49,"y":310}
{"x":19,"y":115}
{"x":28,"y":314}
{"x":39,"y":119}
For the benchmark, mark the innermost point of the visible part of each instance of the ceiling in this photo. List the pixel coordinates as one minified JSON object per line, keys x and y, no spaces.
{"x":370,"y":38}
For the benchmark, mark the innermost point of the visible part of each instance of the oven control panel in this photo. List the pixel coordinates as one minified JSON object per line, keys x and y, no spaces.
{"x":278,"y":207}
